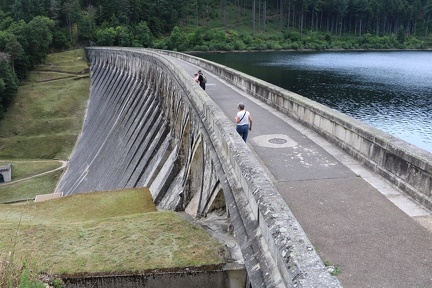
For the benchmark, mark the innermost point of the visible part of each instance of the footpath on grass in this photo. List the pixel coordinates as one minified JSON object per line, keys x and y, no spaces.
{"x":372,"y":233}
{"x":43,"y":123}
{"x":62,"y":166}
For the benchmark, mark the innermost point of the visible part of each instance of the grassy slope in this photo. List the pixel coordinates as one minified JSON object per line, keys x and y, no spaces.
{"x":46,"y":116}
{"x":103,"y":232}
{"x":91,"y":233}
{"x":43,"y":123}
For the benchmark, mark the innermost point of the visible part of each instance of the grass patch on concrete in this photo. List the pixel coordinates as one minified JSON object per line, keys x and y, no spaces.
{"x":103,"y":232}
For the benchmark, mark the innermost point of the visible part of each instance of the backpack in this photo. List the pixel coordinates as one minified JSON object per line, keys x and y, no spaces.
{"x":204,"y":79}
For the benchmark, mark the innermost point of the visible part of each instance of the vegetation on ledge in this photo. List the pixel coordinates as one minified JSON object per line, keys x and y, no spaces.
{"x":99,"y":233}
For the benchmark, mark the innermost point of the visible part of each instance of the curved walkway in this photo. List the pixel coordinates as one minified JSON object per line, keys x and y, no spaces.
{"x":376,"y":236}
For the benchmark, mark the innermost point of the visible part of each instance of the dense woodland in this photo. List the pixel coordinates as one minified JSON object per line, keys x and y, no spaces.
{"x":29,"y":29}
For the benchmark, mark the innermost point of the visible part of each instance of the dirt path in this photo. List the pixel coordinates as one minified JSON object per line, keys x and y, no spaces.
{"x":64,"y":164}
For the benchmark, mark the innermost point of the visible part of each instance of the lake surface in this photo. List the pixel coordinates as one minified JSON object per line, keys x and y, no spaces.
{"x":391,"y":91}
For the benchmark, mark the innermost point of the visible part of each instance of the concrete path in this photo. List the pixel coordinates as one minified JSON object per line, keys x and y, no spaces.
{"x":357,"y":221}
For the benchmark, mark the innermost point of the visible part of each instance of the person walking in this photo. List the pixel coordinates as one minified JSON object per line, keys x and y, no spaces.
{"x":202,"y":80}
{"x":244,"y":121}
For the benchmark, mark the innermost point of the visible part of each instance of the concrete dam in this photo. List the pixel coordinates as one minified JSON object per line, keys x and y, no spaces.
{"x":148,"y":124}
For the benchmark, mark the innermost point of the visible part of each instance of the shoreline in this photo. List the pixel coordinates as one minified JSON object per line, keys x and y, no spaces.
{"x":306,"y":50}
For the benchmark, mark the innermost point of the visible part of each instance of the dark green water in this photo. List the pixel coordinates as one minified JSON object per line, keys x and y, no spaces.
{"x":391,"y":91}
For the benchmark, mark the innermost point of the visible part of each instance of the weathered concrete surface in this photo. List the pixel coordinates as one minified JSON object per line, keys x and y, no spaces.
{"x":45,"y":197}
{"x":406,"y":166}
{"x":186,"y":277}
{"x":377,"y":235}
{"x":149,"y":124}
{"x":6,"y":173}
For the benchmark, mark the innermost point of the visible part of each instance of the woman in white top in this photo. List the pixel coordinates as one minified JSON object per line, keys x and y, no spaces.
{"x":244,"y":121}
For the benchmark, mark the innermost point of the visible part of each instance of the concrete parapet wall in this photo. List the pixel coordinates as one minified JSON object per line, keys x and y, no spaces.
{"x":149,"y":124}
{"x":406,"y":166}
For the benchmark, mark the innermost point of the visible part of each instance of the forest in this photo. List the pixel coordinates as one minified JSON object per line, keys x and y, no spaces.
{"x":30,"y":29}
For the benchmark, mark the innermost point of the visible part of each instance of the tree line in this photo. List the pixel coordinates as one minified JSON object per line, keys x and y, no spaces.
{"x":29,"y":29}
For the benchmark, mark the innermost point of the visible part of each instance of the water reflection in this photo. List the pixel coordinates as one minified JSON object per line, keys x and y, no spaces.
{"x":391,"y":91}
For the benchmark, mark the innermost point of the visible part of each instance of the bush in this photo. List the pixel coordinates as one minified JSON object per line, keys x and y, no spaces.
{"x":294,"y":36}
{"x":221,"y":46}
{"x":239,"y":45}
{"x":259,"y":45}
{"x":346,"y":45}
{"x":401,"y":46}
{"x":106,"y":36}
{"x":8,"y":85}
{"x":195,"y":38}
{"x":142,"y":35}
{"x":201,"y":48}
{"x":295,"y":46}
{"x":60,"y":41}
{"x":123,"y":36}
{"x":217,"y":35}
{"x":269,"y":45}
{"x":246,"y":38}
{"x":177,"y":40}
{"x":401,"y":34}
{"x":277,"y":46}
{"x":160,"y":44}
{"x":414,"y":43}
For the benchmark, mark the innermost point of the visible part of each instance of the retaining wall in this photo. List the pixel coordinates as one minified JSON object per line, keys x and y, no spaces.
{"x":188,"y":277}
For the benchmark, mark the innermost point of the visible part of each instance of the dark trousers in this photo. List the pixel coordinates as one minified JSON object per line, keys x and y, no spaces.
{"x":243,"y":130}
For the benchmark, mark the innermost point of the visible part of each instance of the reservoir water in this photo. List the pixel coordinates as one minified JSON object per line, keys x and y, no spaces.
{"x":391,"y":91}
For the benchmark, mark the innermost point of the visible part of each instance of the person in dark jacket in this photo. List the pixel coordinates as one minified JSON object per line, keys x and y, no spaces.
{"x":201,"y":79}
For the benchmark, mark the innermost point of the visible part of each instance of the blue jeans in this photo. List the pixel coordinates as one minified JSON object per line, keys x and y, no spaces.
{"x":243,"y":130}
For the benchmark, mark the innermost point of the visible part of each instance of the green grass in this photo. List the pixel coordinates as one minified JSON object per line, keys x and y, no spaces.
{"x":100,"y":232}
{"x":43,"y":123}
{"x":28,"y":189}
{"x":46,"y":112}
{"x":93,"y":233}
{"x":334,"y":270}
{"x":73,"y":61}
{"x":38,"y":147}
{"x":103,"y":232}
{"x":26,"y":168}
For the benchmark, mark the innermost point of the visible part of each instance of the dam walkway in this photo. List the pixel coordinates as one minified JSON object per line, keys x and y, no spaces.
{"x":372,"y":233}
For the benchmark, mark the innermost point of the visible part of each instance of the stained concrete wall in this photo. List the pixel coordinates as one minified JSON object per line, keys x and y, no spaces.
{"x":148,"y":124}
{"x":187,"y":277}
{"x":6,"y":173}
{"x":406,"y":166}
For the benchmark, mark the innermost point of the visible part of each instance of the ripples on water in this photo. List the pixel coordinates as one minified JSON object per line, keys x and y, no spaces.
{"x":391,"y":91}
